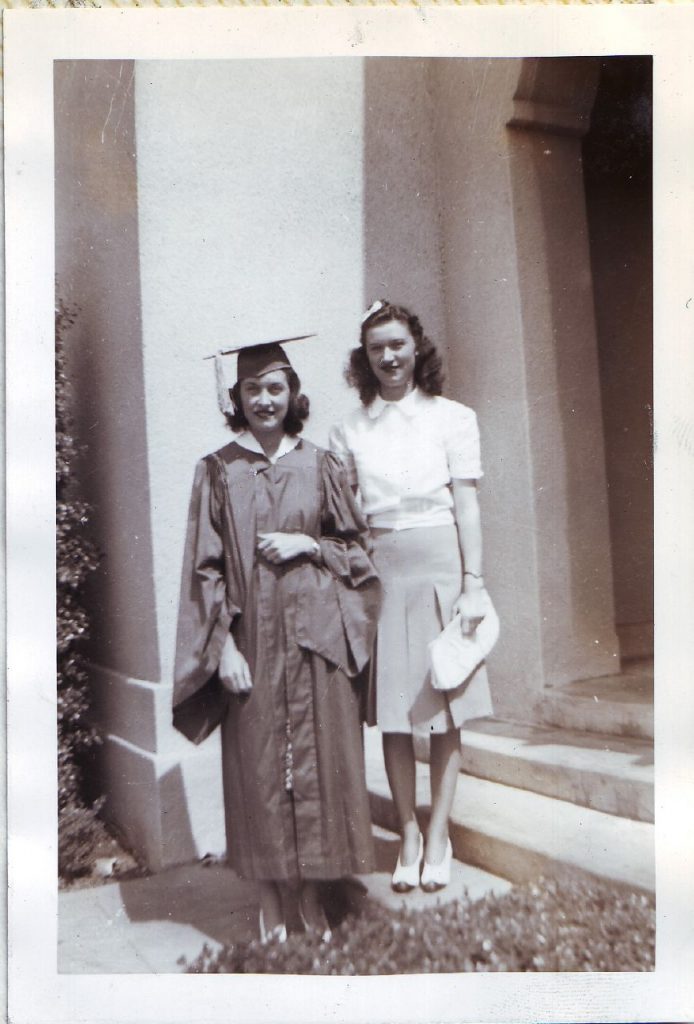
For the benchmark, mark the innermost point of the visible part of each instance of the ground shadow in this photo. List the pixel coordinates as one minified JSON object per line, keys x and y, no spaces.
{"x":211,"y":898}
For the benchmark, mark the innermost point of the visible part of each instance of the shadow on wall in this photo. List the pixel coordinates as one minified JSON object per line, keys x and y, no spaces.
{"x":556,"y":296}
{"x":558,"y":291}
{"x":617,"y":159}
{"x":618,"y":296}
{"x":97,"y":270}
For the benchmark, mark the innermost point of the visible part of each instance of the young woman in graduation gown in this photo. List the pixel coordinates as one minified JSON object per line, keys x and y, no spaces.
{"x":279,"y":602}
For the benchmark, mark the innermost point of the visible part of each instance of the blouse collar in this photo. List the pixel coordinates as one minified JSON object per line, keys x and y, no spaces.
{"x":408,"y":405}
{"x":247,"y":440}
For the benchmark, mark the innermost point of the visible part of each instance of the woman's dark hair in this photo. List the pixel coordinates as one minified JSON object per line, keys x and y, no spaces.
{"x":428,"y":368}
{"x":296,"y":413}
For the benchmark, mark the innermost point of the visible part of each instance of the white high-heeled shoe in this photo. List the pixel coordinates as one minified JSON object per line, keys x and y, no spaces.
{"x":437,"y":876}
{"x":279,"y":932}
{"x":406,"y":876}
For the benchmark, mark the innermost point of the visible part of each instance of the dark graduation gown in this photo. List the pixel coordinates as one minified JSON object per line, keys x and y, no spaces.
{"x":295,"y":797}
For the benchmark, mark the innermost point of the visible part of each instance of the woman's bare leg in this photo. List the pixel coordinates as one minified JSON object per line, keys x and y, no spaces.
{"x":401,"y":768}
{"x":444,"y":762}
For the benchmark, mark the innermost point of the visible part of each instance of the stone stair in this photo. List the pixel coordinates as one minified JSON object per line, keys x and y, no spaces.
{"x":605,"y":772}
{"x":619,"y":705}
{"x":536,"y":800}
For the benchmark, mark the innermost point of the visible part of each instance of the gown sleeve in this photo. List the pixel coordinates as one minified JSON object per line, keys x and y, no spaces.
{"x":206,"y":612}
{"x":345,"y":550}
{"x":337,"y":442}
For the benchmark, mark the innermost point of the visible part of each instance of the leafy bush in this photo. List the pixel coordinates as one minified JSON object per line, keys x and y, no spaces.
{"x":582,"y":925}
{"x":79,"y":828}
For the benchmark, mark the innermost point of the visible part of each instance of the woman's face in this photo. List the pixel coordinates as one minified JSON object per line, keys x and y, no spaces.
{"x":390,"y":349}
{"x":265,"y":401}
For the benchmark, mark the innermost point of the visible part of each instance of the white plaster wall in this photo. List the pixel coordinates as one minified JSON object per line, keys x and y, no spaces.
{"x":402,"y":208}
{"x":250,"y":199}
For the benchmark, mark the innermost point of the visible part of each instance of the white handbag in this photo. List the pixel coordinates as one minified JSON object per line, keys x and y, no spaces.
{"x":455,"y":656}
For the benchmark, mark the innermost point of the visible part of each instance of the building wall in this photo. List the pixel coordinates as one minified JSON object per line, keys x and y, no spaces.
{"x":402,"y":254}
{"x":519,"y":305}
{"x":225,"y":203}
{"x":241,"y":214}
{"x":251,"y":226}
{"x":625,"y":316}
{"x":98,"y":273}
{"x":487,"y":360}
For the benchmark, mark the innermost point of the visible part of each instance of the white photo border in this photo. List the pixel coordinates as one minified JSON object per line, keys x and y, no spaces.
{"x":34,"y":39}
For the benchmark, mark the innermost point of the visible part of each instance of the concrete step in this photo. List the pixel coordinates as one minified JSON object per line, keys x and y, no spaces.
{"x":616,"y":705}
{"x":519,"y":835}
{"x":465,"y":879}
{"x":608,"y":773}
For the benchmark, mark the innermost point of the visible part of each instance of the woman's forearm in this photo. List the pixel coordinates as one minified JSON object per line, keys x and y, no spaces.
{"x":468,"y":521}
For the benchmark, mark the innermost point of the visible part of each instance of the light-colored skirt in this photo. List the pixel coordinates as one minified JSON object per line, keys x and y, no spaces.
{"x":421,"y":575}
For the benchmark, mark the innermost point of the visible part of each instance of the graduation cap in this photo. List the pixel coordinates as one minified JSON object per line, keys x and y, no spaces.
{"x":254,"y":359}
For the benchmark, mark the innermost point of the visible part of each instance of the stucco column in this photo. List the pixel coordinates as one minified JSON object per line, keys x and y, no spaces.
{"x":147,"y":774}
{"x":197,"y":203}
{"x":523,"y":353}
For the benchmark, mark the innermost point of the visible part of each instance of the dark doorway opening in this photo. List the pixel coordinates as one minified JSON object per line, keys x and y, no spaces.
{"x":617,"y":157}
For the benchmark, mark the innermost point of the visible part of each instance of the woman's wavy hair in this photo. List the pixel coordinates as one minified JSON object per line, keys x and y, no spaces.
{"x":428,"y":367}
{"x":296,"y":414}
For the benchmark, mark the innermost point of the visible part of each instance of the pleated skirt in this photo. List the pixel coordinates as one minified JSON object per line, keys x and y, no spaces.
{"x":421,"y":575}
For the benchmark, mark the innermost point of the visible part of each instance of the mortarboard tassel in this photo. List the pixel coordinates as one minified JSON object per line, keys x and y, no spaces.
{"x":223,"y":397}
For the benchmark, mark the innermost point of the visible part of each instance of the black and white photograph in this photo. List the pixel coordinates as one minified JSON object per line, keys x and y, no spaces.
{"x":360,"y":587}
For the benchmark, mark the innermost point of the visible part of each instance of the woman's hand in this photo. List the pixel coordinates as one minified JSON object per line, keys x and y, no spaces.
{"x":234,"y":672}
{"x":471,"y":606}
{"x":282,"y":547}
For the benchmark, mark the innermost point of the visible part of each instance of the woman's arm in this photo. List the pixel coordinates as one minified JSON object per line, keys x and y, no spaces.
{"x":470,"y":604}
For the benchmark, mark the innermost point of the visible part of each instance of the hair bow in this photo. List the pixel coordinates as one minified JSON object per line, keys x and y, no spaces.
{"x":373,"y":308}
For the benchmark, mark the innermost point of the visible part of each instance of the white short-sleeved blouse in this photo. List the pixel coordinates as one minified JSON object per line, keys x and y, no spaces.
{"x":403,"y":456}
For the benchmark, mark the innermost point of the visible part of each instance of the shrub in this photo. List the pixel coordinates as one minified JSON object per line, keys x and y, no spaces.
{"x":582,"y":925}
{"x":78,"y":827}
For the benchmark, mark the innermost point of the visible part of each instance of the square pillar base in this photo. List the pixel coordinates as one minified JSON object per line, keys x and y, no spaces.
{"x":163,"y":794}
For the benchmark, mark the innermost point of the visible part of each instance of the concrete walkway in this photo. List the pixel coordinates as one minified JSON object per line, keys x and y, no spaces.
{"x":146,"y":925}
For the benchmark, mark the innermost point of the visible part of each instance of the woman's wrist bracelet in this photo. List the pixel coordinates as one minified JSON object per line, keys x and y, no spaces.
{"x":472,"y":583}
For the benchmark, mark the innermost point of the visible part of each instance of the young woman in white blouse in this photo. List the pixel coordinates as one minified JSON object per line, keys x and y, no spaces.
{"x":415,"y":459}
